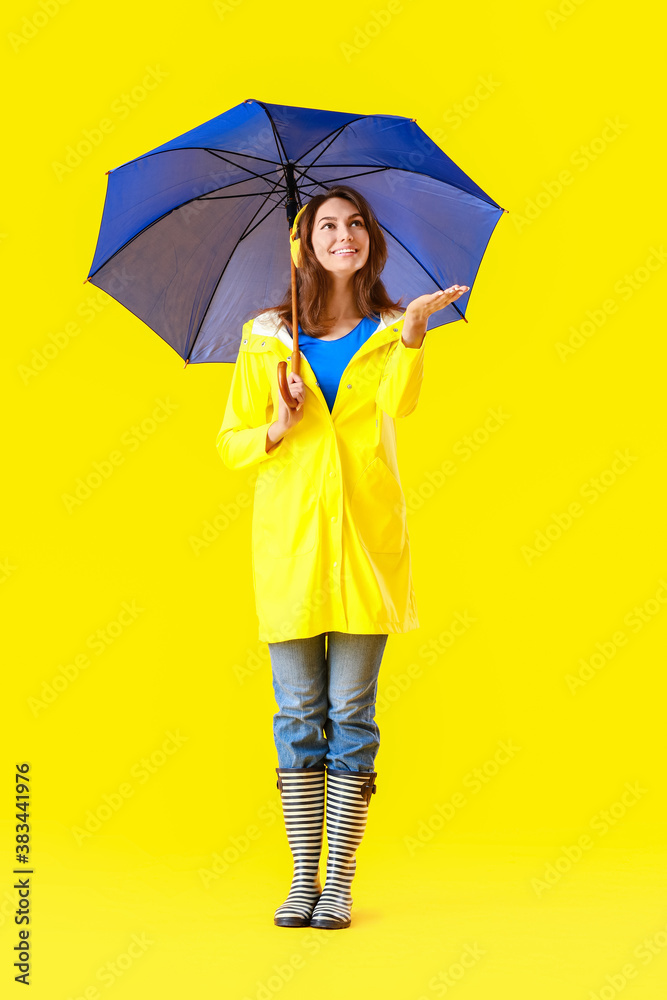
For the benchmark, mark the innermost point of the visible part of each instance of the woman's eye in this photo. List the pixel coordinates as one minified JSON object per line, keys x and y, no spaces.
{"x":358,"y":222}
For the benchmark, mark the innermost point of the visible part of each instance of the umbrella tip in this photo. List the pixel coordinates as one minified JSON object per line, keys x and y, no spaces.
{"x":187,"y":362}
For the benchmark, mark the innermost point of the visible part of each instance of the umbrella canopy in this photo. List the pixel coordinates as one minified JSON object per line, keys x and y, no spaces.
{"x":194,"y":236}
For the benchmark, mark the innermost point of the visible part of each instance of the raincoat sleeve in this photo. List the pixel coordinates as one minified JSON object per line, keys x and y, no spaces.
{"x":401,"y":381}
{"x":241,"y":440}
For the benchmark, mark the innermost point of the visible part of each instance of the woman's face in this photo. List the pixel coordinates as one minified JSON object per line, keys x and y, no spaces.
{"x":340,"y":238}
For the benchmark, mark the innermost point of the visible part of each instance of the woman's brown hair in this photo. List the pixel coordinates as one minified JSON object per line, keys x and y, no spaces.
{"x":311,"y":278}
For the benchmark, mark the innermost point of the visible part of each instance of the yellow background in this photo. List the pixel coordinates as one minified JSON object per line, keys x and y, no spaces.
{"x":516,"y":96}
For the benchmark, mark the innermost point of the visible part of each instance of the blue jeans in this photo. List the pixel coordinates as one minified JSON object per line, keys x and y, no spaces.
{"x":326,"y":699}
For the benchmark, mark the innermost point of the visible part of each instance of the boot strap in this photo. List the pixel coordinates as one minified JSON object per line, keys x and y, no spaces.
{"x":368,"y":788}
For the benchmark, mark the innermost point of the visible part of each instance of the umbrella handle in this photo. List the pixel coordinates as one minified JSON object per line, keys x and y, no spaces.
{"x":284,"y":387}
{"x":282,"y":365}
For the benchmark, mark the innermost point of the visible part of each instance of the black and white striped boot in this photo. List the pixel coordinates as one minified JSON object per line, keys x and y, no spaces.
{"x":348,"y":796}
{"x":302,"y":795}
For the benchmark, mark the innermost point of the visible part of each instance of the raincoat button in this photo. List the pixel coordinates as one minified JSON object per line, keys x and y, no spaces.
{"x":245,"y":341}
{"x":335,"y":564}
{"x":317,"y":383}
{"x":349,"y":386}
{"x":395,"y":329}
{"x":333,"y":518}
{"x":332,"y":474}
{"x":263,"y":342}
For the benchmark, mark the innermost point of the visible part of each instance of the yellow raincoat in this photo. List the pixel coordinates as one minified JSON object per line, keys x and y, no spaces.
{"x":330,"y":546}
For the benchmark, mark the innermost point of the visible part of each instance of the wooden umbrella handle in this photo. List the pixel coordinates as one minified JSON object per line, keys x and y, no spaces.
{"x":284,"y":387}
{"x":296,"y":355}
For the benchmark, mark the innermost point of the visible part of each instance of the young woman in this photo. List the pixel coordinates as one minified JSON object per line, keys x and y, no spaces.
{"x":330,"y":547}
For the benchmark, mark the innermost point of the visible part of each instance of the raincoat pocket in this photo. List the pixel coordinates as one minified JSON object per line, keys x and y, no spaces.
{"x":378,"y":509}
{"x":284,"y":521}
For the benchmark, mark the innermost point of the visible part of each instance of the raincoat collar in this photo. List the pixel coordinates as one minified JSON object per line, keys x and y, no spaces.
{"x":269,"y":333}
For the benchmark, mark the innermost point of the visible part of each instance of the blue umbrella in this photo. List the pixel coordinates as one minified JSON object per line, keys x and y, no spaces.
{"x":193,"y":239}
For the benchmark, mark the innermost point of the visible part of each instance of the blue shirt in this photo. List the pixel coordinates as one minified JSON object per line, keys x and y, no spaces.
{"x":330,"y":358}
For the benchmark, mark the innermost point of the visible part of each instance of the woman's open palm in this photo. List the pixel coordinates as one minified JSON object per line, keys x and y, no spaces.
{"x":424,"y":305}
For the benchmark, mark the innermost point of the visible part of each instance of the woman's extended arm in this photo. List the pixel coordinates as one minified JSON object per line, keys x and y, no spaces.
{"x":400,"y":385}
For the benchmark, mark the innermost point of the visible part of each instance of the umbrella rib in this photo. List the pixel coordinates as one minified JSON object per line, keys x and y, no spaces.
{"x":173,"y":149}
{"x":235,"y":152}
{"x":218,"y":197}
{"x":249,"y":231}
{"x":336,"y":132}
{"x":259,"y":209}
{"x":279,"y":142}
{"x":405,"y":170}
{"x":424,"y":269}
{"x":243,"y":235}
{"x":199,"y":197}
{"x":345,"y":177}
{"x":241,"y":167}
{"x":175,"y":208}
{"x":209,"y":196}
{"x":279,"y":147}
{"x":334,"y":136}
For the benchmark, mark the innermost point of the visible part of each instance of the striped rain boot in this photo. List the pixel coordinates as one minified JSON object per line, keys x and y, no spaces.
{"x":348,"y":796}
{"x":302,"y":795}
